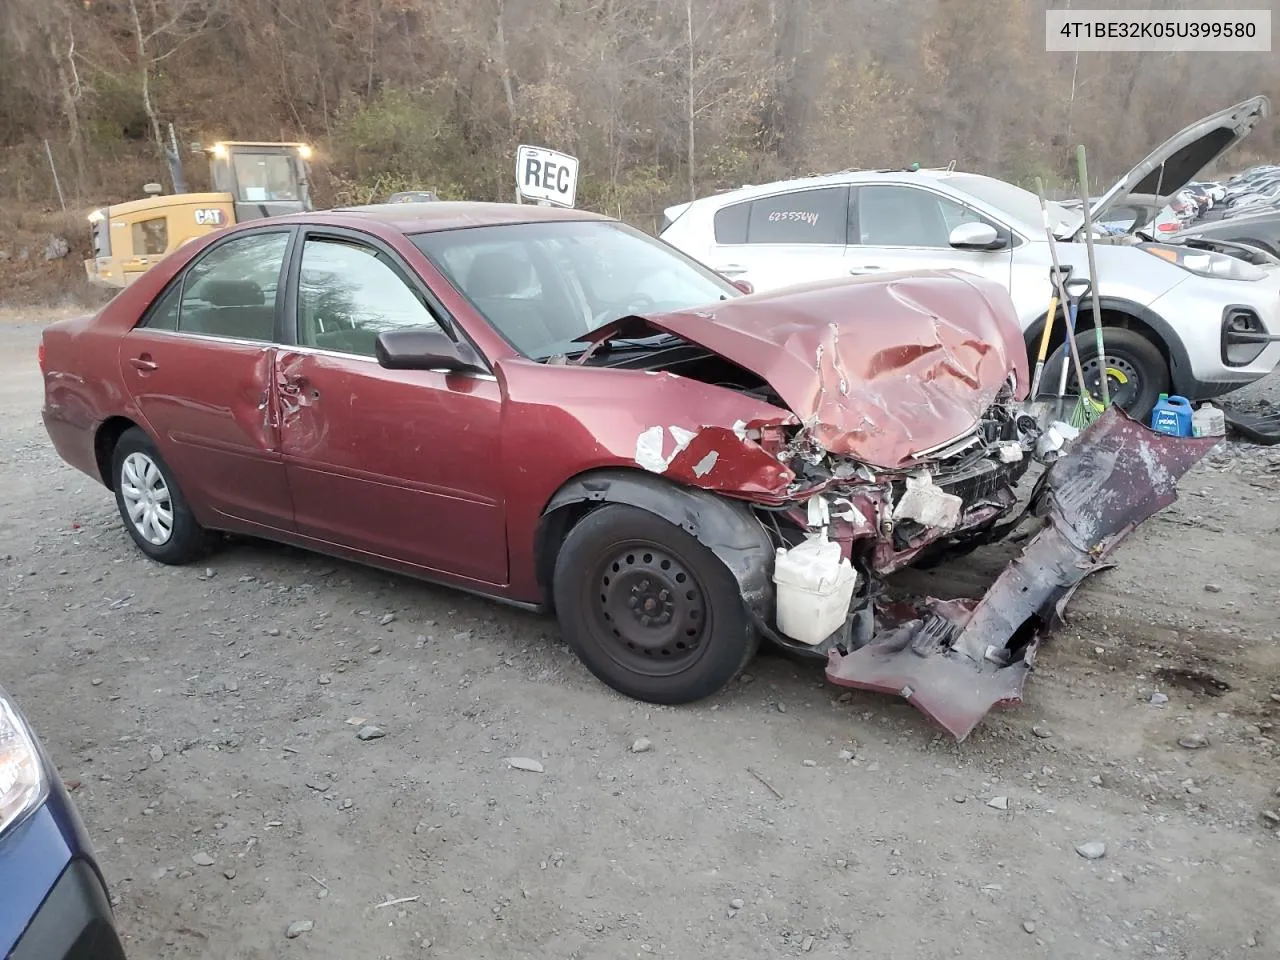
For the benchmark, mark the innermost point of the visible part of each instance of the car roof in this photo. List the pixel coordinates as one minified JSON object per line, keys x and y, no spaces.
{"x":435,"y":215}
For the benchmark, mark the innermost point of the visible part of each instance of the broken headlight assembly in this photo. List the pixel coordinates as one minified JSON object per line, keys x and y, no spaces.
{"x":22,"y":780}
{"x":1205,"y":263}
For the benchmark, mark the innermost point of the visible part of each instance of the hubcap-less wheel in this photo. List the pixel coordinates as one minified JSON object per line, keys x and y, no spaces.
{"x":146,"y":497}
{"x":1124,"y":381}
{"x":653,"y":608}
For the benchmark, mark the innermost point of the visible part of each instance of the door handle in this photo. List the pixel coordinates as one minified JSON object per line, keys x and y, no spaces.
{"x":144,"y":363}
{"x":731,"y":270}
{"x":865,"y":268}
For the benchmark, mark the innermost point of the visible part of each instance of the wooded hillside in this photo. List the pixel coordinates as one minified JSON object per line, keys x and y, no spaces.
{"x":660,"y":99}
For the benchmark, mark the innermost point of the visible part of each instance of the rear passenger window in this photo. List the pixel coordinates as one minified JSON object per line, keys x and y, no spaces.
{"x":731,"y":223}
{"x":804,"y":216}
{"x":231,"y":291}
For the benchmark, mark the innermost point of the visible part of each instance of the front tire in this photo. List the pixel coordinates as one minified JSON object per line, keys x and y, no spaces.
{"x":648,"y":609}
{"x":1136,"y":370}
{"x":152,"y":507}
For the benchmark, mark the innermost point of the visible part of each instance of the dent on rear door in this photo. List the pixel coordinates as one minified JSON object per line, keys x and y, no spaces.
{"x":206,"y":403}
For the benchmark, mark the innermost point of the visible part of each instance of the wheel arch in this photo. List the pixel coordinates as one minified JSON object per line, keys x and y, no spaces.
{"x":726,"y":527}
{"x":105,"y":439}
{"x":1126,"y":314}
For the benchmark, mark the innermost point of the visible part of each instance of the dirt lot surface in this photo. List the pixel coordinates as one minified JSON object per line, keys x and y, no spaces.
{"x":211,"y":716}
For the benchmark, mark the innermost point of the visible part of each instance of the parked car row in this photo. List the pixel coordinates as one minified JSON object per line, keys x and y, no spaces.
{"x":1181,"y":318}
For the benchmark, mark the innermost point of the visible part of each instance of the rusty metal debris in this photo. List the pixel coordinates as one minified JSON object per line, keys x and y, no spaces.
{"x":954,"y":660}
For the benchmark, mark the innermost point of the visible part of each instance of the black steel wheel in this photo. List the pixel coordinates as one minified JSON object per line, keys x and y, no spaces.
{"x":1136,"y":370}
{"x":648,"y":609}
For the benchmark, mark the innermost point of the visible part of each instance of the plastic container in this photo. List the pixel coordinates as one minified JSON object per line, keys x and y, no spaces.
{"x":1172,"y":415}
{"x":1208,"y":421}
{"x":815,"y":587}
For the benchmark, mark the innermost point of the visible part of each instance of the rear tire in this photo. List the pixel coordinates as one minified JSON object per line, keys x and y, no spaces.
{"x":153,"y":509}
{"x":648,"y":609}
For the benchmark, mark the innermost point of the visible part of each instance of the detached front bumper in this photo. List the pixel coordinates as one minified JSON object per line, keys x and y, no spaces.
{"x":956,"y":659}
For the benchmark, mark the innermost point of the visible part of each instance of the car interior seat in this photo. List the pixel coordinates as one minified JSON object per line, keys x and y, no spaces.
{"x":231,"y":308}
{"x":493,"y":280}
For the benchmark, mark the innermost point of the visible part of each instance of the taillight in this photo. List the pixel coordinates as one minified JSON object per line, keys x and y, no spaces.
{"x":40,"y":355}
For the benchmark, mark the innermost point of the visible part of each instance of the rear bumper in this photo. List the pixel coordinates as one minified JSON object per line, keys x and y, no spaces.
{"x":73,"y":442}
{"x":73,"y":923}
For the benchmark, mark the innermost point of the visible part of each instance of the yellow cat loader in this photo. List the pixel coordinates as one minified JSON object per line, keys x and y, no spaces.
{"x":250,"y":180}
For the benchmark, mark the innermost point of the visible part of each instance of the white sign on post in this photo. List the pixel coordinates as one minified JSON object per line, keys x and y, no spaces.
{"x":546,"y":176}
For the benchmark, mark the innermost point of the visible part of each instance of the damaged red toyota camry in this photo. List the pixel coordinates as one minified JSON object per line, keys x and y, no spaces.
{"x":553,"y":409}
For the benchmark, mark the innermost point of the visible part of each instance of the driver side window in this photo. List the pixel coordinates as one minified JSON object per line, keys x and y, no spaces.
{"x":348,"y":293}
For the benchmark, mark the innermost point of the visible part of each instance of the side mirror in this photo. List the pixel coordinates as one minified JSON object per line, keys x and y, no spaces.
{"x":975,"y":236}
{"x":744,"y":285}
{"x":426,"y":349}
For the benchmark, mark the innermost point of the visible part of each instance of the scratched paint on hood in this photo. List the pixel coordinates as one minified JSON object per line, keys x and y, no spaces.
{"x":878,"y":368}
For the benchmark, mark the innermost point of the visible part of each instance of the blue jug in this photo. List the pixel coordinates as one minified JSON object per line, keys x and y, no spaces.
{"x":1172,"y":415}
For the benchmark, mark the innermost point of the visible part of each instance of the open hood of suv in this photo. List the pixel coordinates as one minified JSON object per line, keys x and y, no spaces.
{"x":1177,"y":161}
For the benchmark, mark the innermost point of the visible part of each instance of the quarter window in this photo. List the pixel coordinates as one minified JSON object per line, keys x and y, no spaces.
{"x":349,"y":293}
{"x":163,"y":314}
{"x":731,"y":223}
{"x":231,"y":290}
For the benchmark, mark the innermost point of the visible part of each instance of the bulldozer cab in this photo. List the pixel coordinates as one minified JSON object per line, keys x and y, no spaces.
{"x":250,"y":181}
{"x":263,"y":179}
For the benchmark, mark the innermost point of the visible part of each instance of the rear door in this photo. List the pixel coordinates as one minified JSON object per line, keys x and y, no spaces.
{"x":392,"y":464}
{"x":784,"y":238}
{"x":199,"y":368}
{"x":902,"y":227}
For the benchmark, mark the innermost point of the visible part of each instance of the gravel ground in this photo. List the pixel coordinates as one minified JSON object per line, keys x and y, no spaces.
{"x":211,"y":715}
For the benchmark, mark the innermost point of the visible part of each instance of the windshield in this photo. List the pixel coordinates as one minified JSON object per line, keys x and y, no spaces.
{"x":1019,"y":204}
{"x":265,"y":177}
{"x":544,"y":285}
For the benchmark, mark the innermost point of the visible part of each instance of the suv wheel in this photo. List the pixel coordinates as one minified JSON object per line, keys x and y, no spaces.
{"x":1136,"y":371}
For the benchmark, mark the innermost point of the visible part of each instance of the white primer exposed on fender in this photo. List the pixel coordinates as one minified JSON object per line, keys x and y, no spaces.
{"x":650,"y":443}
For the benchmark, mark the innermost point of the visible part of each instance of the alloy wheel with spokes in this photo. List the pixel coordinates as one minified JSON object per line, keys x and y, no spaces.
{"x":147,"y":499}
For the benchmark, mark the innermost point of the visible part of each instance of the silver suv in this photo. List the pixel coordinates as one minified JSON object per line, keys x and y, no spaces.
{"x":1181,"y":318}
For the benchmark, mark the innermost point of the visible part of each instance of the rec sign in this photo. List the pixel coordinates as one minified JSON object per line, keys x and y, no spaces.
{"x":546,"y":175}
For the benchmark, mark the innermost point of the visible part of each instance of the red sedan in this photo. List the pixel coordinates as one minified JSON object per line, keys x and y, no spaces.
{"x":551,"y":408}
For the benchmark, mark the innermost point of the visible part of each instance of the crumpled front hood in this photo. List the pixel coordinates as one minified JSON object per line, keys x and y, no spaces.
{"x":878,"y":368}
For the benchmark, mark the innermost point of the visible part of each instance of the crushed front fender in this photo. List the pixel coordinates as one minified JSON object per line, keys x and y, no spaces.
{"x":957,"y":659}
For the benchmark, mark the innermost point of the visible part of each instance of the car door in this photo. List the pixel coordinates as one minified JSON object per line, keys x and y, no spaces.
{"x":903,"y":227}
{"x":783,"y":239}
{"x":198,"y":366}
{"x":392,"y":464}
